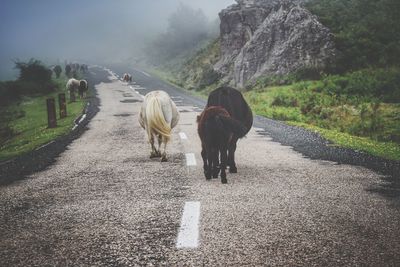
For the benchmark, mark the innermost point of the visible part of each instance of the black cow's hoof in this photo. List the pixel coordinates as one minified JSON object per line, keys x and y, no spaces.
{"x":233,"y":169}
{"x":164,"y":159}
{"x":207,"y":175}
{"x":223,"y":177}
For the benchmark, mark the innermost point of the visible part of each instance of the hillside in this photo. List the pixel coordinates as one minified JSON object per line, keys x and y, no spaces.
{"x":354,"y":100}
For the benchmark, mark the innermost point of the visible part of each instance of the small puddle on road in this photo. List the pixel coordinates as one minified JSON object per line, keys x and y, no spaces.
{"x":123,"y":115}
{"x":130,"y":101}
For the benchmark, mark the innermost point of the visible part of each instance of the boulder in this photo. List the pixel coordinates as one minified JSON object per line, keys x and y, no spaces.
{"x":270,"y":37}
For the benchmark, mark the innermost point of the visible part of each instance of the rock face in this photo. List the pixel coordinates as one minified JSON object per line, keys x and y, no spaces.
{"x":261,"y":37}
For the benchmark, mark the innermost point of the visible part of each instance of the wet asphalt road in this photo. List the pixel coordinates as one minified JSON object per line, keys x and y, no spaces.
{"x":104,"y":202}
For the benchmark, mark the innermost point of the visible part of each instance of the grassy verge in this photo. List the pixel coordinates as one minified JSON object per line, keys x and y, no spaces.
{"x":388,"y":150}
{"x":31,"y":129}
{"x":353,"y":122}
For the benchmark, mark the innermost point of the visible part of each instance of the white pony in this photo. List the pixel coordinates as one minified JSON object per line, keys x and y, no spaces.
{"x":158,"y":116}
{"x":74,"y":85}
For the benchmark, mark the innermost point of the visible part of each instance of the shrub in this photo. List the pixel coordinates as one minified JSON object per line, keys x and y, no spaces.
{"x":382,"y":84}
{"x":284,"y":100}
{"x":307,"y":73}
{"x":208,"y":76}
{"x":33,"y":71}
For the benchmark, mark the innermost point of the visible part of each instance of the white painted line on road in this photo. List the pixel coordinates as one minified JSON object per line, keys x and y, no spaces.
{"x":73,"y":128}
{"x":190,"y":159}
{"x":258,"y":129}
{"x":188,"y":236}
{"x":136,"y":92}
{"x":145,"y":73}
{"x":183,"y":136}
{"x":83,"y":117}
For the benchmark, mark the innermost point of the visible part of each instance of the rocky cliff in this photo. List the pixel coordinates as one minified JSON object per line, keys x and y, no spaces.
{"x":264,"y":37}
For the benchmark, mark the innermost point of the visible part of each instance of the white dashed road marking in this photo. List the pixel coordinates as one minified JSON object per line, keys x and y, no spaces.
{"x":83,"y":117}
{"x":190,"y":159}
{"x":145,"y":73}
{"x":183,"y":136}
{"x":142,"y":96}
{"x":188,"y":236}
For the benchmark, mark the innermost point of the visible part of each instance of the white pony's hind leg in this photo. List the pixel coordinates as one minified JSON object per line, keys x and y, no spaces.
{"x":153,"y":153}
{"x":159,"y":145}
{"x":164,"y":153}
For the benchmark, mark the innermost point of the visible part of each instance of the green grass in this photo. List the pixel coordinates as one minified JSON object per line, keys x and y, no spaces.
{"x":388,"y":150}
{"x":31,"y":130}
{"x":348,"y":121}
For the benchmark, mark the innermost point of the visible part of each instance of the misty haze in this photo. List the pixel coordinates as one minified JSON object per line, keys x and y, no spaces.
{"x":91,"y":31}
{"x":200,"y":133}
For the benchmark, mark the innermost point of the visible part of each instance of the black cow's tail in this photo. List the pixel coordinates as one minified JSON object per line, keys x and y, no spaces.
{"x":232,"y":125}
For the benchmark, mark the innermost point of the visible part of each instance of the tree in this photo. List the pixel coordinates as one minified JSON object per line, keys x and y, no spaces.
{"x":366,"y":31}
{"x":33,"y":71}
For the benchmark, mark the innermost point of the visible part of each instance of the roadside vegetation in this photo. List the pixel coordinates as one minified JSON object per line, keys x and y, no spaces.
{"x":23,"y":111}
{"x":358,"y":114}
{"x":354,"y":102}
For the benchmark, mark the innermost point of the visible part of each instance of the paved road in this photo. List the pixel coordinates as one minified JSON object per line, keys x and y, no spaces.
{"x":104,"y":202}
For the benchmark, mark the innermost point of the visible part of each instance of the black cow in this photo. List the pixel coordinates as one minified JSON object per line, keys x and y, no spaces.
{"x":234,"y":103}
{"x":216,"y":129}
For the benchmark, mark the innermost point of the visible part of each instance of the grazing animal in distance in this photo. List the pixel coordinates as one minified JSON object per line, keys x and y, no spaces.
{"x":68,"y":70}
{"x":57,"y":70}
{"x":83,"y":68}
{"x":158,"y":116}
{"x":83,"y":88}
{"x":234,"y":103}
{"x":216,"y":129}
{"x":74,"y":85}
{"x":127,"y":77}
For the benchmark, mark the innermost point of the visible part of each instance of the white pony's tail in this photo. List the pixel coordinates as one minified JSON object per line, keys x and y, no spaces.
{"x":155,"y":119}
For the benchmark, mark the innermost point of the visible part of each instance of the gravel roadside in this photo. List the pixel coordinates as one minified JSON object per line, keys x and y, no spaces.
{"x":39,"y":159}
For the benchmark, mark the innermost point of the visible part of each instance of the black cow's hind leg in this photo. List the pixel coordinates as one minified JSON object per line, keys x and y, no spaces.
{"x":223,"y":165}
{"x":231,"y":155}
{"x":207,"y":173}
{"x":216,"y":166}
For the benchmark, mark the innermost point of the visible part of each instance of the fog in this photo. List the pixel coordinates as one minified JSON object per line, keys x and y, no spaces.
{"x":91,"y":31}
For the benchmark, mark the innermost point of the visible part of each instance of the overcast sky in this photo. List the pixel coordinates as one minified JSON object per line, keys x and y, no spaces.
{"x":84,"y":30}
